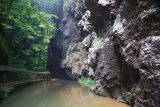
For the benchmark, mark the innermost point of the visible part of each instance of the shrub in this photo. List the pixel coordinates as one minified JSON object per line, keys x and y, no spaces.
{"x":23,"y":76}
{"x":87,"y":82}
{"x":5,"y":92}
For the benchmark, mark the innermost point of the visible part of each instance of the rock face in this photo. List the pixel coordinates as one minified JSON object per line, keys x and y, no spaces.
{"x":149,"y":86}
{"x":107,"y":73}
{"x":137,"y":39}
{"x":117,"y":44}
{"x":68,"y":35}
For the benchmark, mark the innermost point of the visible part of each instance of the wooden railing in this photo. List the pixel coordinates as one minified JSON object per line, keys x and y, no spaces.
{"x":9,"y":72}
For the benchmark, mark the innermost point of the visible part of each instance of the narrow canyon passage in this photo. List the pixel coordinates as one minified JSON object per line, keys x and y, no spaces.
{"x":112,"y":47}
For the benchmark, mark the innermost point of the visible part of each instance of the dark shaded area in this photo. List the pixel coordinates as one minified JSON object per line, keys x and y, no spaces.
{"x":55,"y":56}
{"x":55,"y":50}
{"x":130,"y":75}
{"x":68,"y":34}
{"x":3,"y":58}
{"x":99,"y":14}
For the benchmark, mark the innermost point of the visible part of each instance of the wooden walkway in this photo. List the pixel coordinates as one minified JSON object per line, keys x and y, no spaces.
{"x":15,"y":83}
{"x":9,"y":71}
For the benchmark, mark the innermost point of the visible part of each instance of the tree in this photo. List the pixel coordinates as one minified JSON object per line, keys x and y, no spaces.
{"x":25,"y":32}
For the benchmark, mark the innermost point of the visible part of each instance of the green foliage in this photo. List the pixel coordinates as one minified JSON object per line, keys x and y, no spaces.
{"x":26,"y":31}
{"x":3,"y":78}
{"x":87,"y":82}
{"x":4,"y":92}
{"x":3,"y":46}
{"x":23,"y":76}
{"x":131,"y":95}
{"x":49,"y":6}
{"x":17,"y":76}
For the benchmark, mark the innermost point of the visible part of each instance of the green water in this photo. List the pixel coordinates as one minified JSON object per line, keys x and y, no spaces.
{"x":58,"y":94}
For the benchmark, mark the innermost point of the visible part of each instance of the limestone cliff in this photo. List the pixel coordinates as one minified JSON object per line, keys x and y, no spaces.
{"x":117,"y":43}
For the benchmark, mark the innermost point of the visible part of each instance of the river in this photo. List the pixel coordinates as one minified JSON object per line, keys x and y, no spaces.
{"x":58,"y":93}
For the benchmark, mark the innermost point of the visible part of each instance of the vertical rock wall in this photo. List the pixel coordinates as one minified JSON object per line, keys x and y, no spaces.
{"x":116,"y":42}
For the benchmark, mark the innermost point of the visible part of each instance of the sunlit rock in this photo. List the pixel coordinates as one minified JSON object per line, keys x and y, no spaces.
{"x":150,"y":52}
{"x":118,"y":25}
{"x":84,"y":22}
{"x":106,"y":2}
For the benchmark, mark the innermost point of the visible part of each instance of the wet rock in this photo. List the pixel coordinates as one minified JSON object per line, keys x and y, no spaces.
{"x":150,"y":52}
{"x":149,"y":94}
{"x":107,"y":70}
{"x":130,"y":64}
{"x":119,"y":48}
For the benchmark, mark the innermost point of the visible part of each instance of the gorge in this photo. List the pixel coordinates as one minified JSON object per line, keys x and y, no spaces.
{"x":111,"y":47}
{"x":114,"y":42}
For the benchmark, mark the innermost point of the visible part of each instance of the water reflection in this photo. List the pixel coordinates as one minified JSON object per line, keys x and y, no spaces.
{"x":58,"y":94}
